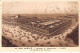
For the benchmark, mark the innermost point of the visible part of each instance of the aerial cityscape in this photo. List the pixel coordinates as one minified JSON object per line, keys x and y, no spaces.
{"x":54,"y":25}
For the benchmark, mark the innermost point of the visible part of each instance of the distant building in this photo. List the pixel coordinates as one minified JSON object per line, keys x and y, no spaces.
{"x":18,"y":16}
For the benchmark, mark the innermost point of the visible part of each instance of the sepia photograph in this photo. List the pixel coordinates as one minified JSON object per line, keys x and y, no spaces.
{"x":40,"y":24}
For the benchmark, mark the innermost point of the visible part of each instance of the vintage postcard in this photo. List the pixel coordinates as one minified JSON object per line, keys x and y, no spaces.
{"x":42,"y":25}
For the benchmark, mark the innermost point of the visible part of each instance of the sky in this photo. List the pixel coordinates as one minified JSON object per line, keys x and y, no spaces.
{"x":34,"y":7}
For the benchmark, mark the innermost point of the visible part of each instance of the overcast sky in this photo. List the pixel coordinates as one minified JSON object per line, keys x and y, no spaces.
{"x":39,"y":7}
